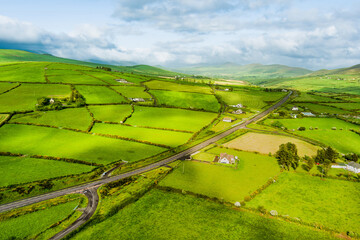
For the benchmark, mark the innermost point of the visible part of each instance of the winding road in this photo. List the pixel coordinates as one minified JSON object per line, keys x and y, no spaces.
{"x":89,"y":189}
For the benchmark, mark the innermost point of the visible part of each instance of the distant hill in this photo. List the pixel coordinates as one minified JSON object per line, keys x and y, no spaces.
{"x":9,"y":55}
{"x":354,"y":70}
{"x":246,"y":72}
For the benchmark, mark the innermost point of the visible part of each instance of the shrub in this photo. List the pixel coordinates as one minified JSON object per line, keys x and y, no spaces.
{"x":301,"y":128}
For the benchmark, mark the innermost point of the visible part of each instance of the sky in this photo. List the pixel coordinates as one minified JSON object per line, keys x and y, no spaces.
{"x":176,"y":33}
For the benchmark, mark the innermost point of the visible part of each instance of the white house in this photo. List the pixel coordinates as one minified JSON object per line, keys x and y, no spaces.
{"x":340,"y":165}
{"x":121,"y":80}
{"x":227,"y":119}
{"x":137,"y":99}
{"x":239,"y":111}
{"x":308,"y":114}
{"x":239,"y":105}
{"x":294,"y":108}
{"x":51,"y":101}
{"x":226,"y":158}
{"x":353,"y":167}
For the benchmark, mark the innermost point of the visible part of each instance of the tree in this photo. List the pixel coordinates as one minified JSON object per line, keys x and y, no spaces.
{"x":277,"y":124}
{"x":331,"y":154}
{"x":309,"y":163}
{"x":287,"y":156}
{"x":46,"y":184}
{"x":352,"y":157}
{"x":320,"y":156}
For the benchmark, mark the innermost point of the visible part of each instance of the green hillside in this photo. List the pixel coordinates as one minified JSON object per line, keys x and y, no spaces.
{"x":246,"y":72}
{"x":9,"y":55}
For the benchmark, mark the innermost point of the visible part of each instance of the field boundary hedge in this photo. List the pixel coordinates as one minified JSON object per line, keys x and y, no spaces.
{"x":18,"y":85}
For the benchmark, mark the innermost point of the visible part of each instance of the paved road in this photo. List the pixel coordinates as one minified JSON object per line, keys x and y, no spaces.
{"x":93,"y":198}
{"x":91,"y":188}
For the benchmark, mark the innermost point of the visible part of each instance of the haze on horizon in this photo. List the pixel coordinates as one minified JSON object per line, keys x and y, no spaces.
{"x":309,"y":34}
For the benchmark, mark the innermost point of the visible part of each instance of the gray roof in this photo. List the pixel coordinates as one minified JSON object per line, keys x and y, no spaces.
{"x":354,"y":164}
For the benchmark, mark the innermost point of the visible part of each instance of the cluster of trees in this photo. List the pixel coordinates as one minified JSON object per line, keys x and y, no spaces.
{"x":44,"y":104}
{"x":287,"y":156}
{"x":77,"y":98}
{"x":103,"y":68}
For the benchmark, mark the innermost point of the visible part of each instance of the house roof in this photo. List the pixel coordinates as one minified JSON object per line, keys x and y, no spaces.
{"x":354,"y":164}
{"x":227,"y":156}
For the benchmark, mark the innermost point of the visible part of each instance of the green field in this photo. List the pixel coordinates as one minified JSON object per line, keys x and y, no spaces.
{"x":23,"y":72}
{"x":31,"y":224}
{"x":15,"y":170}
{"x":168,"y":138}
{"x":306,"y":97}
{"x":317,"y":108}
{"x":3,"y":117}
{"x":171,"y":86}
{"x":160,"y":215}
{"x":5,"y":86}
{"x":111,"y":113}
{"x":252,"y":98}
{"x":25,"y":97}
{"x":267,"y":143}
{"x":75,"y":118}
{"x":132,"y":91}
{"x":102,"y":76}
{"x":231,"y":184}
{"x":187,"y":100}
{"x":100,"y":94}
{"x":74,"y":79}
{"x":347,"y":106}
{"x":333,"y":203}
{"x":52,"y":142}
{"x":170,"y":118}
{"x":342,"y":140}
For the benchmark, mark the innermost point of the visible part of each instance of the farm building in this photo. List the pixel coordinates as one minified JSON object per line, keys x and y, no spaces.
{"x":121,"y":80}
{"x":340,"y":165}
{"x":308,"y":114}
{"x":137,"y":99}
{"x":294,"y":108}
{"x":227,"y":119}
{"x":225,"y":158}
{"x":353,"y":167}
{"x":51,"y":101}
{"x":239,"y":105}
{"x":239,"y":111}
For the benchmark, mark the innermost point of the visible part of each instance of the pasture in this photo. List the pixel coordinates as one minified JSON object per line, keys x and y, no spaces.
{"x":75,"y":118}
{"x":170,"y":118}
{"x":100,"y":94}
{"x":160,"y":215}
{"x":347,"y":106}
{"x":25,"y":97}
{"x":132,"y":91}
{"x":5,"y":86}
{"x":52,"y":142}
{"x":317,"y":108}
{"x":100,"y":74}
{"x":23,"y":72}
{"x":307,"y":97}
{"x":332,"y":203}
{"x":342,"y":140}
{"x":111,"y":113}
{"x":224,"y":182}
{"x":74,"y":79}
{"x":189,"y":100}
{"x":3,"y":117}
{"x":252,"y":98}
{"x":268,"y":143}
{"x":172,"y":86}
{"x":31,"y":224}
{"x":15,"y":170}
{"x":168,"y":138}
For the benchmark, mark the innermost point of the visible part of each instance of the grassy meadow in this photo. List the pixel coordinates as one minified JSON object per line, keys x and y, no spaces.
{"x":16,"y":170}
{"x":25,"y":97}
{"x":111,"y":113}
{"x":5,"y":86}
{"x":32,"y":224}
{"x":52,"y":142}
{"x":319,"y":108}
{"x":75,"y":118}
{"x":170,"y":118}
{"x":132,"y":91}
{"x":332,"y":203}
{"x":160,"y":215}
{"x":74,"y":79}
{"x":23,"y":72}
{"x":225,"y":182}
{"x":100,"y":94}
{"x":307,"y":97}
{"x":168,"y":138}
{"x":172,"y":86}
{"x":189,"y":100}
{"x":268,"y":143}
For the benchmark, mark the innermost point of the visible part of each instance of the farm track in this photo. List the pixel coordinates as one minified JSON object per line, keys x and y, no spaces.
{"x":92,"y":186}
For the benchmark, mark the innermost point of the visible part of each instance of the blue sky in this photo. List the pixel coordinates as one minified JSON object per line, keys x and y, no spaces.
{"x":311,"y":34}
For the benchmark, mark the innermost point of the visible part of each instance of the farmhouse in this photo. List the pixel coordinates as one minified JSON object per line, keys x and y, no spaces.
{"x":51,"y":101}
{"x":239,"y":105}
{"x":308,"y":114}
{"x":239,"y":111}
{"x":294,"y":108}
{"x":227,"y":119}
{"x":340,"y":165}
{"x":225,"y":158}
{"x":353,"y":167}
{"x":121,"y":80}
{"x":137,"y":99}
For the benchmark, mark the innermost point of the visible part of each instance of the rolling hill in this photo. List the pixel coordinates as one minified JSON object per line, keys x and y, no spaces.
{"x":246,"y":72}
{"x":10,"y":55}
